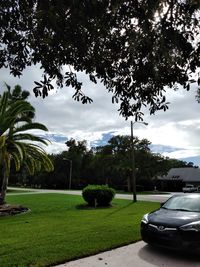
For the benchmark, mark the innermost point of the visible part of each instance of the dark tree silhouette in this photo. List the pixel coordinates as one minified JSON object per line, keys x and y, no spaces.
{"x":135,"y":48}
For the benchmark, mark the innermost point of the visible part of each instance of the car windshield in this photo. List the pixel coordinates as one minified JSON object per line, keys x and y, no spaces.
{"x":183,"y":203}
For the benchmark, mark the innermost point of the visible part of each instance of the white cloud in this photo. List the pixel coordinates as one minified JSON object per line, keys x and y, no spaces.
{"x":55,"y":148}
{"x":181,"y":154}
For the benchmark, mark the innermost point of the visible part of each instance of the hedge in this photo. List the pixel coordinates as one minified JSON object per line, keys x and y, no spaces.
{"x":98,"y":195}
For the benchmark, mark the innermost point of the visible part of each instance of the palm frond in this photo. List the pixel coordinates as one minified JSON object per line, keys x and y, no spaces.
{"x":3,"y":103}
{"x":31,"y":126}
{"x":30,"y":165}
{"x":2,"y":141}
{"x":17,"y":161}
{"x":33,"y":147}
{"x":19,"y":148}
{"x":30,"y":137}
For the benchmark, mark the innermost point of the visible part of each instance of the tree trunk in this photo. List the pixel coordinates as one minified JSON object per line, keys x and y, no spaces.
{"x":129,"y":184}
{"x":4,"y":187}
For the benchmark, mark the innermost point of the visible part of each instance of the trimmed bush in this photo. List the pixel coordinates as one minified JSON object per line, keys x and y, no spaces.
{"x":100,"y":195}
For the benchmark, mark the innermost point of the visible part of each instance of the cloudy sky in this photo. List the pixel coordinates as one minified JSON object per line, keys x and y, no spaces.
{"x":174,"y":133}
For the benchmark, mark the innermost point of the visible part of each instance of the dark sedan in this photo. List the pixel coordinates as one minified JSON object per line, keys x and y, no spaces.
{"x":176,"y":225}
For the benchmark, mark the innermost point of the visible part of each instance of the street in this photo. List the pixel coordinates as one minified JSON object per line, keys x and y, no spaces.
{"x":151,"y":197}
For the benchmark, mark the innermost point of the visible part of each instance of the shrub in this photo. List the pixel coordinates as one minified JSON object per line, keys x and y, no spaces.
{"x":100,"y":195}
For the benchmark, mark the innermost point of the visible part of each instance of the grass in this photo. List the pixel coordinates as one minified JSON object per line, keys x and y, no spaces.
{"x":60,"y":228}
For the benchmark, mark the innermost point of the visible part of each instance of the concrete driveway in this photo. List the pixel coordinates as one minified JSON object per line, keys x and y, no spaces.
{"x":136,"y":255}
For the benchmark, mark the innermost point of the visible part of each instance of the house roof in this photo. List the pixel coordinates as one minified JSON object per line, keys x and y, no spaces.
{"x":183,"y":174}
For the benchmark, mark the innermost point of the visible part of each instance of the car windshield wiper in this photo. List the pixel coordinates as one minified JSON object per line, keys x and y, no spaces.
{"x":176,"y":209}
{"x":182,"y":209}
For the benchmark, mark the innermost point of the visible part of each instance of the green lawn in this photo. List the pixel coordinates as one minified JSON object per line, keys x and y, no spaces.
{"x":59,"y":228}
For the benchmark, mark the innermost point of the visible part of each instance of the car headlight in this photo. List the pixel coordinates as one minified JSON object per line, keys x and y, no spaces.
{"x":194,"y":226}
{"x":145,"y":218}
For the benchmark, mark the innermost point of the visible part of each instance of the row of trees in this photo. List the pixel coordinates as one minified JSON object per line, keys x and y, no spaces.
{"x":110,"y":164}
{"x":18,"y":147}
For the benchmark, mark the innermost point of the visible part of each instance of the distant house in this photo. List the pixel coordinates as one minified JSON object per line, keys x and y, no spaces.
{"x":179,"y":177}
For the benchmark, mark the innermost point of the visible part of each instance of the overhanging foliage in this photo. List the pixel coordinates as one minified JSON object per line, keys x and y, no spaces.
{"x":135,"y":48}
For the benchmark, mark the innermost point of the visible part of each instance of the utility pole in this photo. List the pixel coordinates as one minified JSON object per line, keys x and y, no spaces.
{"x":133,"y":165}
{"x":133,"y":160}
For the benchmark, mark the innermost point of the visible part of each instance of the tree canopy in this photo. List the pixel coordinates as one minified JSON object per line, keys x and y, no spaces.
{"x":110,"y":164}
{"x":135,"y":48}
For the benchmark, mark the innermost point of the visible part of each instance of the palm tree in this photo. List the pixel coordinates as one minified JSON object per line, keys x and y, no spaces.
{"x":18,"y":94}
{"x":18,"y":145}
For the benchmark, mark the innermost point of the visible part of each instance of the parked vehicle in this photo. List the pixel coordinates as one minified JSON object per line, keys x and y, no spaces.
{"x":176,"y":225}
{"x":190,"y":188}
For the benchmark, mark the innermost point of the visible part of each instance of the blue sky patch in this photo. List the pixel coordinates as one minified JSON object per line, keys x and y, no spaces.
{"x":162,"y":149}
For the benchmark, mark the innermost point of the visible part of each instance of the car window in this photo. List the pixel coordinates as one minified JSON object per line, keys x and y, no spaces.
{"x":183,"y":203}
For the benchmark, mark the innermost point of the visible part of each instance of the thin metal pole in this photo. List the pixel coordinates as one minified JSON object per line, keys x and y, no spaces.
{"x":133,"y":165}
{"x":70,"y":175}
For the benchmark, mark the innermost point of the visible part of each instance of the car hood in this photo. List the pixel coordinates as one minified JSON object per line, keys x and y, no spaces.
{"x":172,"y":218}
